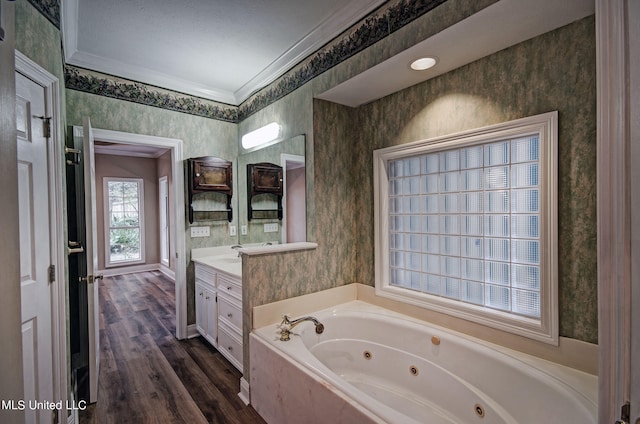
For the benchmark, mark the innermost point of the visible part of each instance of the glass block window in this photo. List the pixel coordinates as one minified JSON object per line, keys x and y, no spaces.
{"x":469,"y":224}
{"x":465,"y":224}
{"x":124,"y":221}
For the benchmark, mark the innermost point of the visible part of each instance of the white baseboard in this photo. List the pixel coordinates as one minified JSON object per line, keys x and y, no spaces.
{"x":110,"y":272}
{"x":73,"y":417}
{"x":192,"y":331}
{"x":244,"y":394}
{"x":167,"y":271}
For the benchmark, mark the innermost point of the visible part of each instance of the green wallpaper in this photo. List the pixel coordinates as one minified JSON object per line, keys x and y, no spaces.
{"x":39,"y":39}
{"x":555,"y":71}
{"x":200,"y":137}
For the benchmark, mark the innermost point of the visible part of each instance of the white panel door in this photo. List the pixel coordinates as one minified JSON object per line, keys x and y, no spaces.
{"x":35,"y":249}
{"x":91,"y":251}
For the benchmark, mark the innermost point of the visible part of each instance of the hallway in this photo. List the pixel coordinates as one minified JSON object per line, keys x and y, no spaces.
{"x":146,"y":375}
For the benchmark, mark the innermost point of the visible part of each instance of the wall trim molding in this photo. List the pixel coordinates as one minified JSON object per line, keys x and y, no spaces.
{"x":613,"y":207}
{"x":245,"y":392}
{"x":378,"y":25}
{"x":192,"y":331}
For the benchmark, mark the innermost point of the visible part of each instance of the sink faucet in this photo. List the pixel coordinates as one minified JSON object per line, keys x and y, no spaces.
{"x":236,"y":247}
{"x":287,"y":325}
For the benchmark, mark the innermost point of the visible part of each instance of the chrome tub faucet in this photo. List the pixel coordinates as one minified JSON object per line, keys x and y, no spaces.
{"x":287,"y":325}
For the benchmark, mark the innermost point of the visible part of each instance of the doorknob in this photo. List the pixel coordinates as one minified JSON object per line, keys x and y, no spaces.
{"x":90,"y":278}
{"x":74,"y":247}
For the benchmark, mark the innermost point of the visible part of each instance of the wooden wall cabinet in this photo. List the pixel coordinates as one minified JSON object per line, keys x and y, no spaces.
{"x":264,"y":178}
{"x":209,"y":174}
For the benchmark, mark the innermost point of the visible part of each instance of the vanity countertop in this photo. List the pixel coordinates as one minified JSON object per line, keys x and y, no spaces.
{"x":221,"y":258}
{"x":231,"y":264}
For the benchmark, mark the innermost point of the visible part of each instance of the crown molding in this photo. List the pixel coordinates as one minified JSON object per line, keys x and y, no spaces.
{"x":326,"y":31}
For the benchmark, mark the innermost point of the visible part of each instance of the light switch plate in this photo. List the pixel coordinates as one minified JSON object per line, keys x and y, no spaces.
{"x":200,"y":232}
{"x":243,"y":230}
{"x":271,"y":228}
{"x":232,"y":230}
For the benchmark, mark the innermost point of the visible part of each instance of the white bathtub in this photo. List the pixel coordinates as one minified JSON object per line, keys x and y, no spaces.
{"x":380,"y":366}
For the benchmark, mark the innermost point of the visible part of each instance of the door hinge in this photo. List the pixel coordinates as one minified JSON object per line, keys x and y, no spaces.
{"x":52,"y":273}
{"x":46,"y":126}
{"x":625,"y":414}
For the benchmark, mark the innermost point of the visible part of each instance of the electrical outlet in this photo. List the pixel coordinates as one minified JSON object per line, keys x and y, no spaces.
{"x":271,"y":228}
{"x":200,"y":232}
{"x":232,"y":230}
{"x":243,"y":230}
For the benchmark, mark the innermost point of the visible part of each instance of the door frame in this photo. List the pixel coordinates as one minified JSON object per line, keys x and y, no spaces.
{"x":163,"y":184}
{"x":55,"y":159}
{"x":177,"y":226}
{"x":285,"y":160}
{"x":618,"y":246}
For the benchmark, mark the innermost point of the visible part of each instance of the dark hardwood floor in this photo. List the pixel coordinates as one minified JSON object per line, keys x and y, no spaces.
{"x":146,"y":374}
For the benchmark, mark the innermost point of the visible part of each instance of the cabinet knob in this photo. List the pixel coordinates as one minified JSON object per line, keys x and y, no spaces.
{"x":207,"y":298}
{"x":230,"y":348}
{"x":229,"y":315}
{"x":228,"y":287}
{"x":197,"y":174}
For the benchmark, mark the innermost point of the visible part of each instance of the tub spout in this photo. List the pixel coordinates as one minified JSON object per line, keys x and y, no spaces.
{"x":287,"y":325}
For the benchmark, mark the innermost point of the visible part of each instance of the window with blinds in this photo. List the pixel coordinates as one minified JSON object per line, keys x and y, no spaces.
{"x":469,"y":224}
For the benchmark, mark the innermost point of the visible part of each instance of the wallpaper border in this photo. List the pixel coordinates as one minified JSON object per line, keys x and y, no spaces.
{"x":50,"y":9}
{"x":369,"y":31}
{"x":118,"y":88}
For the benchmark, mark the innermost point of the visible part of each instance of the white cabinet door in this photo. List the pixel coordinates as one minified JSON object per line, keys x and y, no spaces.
{"x":201,"y":309}
{"x":212,"y":316}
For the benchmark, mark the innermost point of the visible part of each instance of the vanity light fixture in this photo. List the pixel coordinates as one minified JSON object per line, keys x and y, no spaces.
{"x":423,"y":63}
{"x":261,"y":136}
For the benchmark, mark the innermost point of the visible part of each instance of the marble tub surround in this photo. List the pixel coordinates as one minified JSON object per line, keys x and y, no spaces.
{"x":295,"y":307}
{"x":323,"y":404}
{"x":572,"y":353}
{"x":454,"y":364}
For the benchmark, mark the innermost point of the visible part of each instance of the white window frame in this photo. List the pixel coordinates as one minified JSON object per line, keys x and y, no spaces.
{"x":544,"y":329}
{"x":107,"y":243}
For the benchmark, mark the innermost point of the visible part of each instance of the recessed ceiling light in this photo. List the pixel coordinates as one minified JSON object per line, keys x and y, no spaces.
{"x":423,"y":63}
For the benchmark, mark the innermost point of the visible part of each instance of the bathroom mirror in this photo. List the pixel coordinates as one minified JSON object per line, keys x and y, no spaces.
{"x":266,"y":227}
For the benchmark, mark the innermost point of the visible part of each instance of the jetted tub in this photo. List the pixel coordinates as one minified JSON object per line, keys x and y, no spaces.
{"x":374,"y":365}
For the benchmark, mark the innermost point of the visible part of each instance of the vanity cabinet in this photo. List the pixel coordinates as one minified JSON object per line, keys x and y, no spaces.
{"x":206,"y":311}
{"x":219,"y":311}
{"x":230,"y":319}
